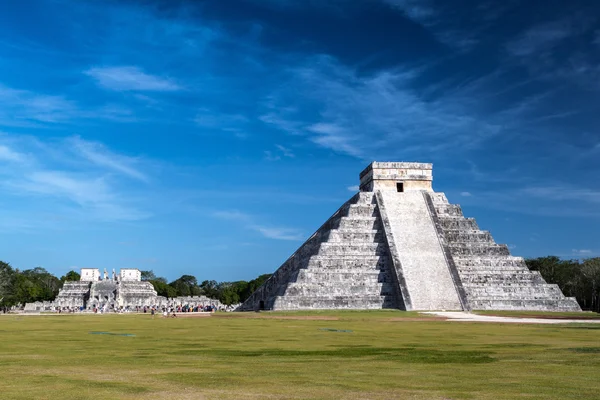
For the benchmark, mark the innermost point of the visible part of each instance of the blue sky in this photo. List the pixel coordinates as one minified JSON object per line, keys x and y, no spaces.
{"x":211,"y":138}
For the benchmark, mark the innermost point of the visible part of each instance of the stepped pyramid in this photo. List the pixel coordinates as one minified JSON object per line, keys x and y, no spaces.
{"x":399,"y":244}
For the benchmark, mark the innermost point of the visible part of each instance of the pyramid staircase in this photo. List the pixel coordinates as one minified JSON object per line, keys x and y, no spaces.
{"x":491,"y":277}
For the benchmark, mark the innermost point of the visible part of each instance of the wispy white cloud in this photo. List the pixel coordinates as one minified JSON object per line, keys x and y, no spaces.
{"x":278,"y":233}
{"x":367,"y":116}
{"x":280,"y":120}
{"x":219,"y":121}
{"x":466,"y":194}
{"x":542,"y":37}
{"x":232,"y":215}
{"x":559,"y":51}
{"x":354,"y":188}
{"x":269,"y":156}
{"x":335,"y":137}
{"x":30,"y":109}
{"x":7,"y":154}
{"x":563,"y":200}
{"x":249,"y":222}
{"x":280,"y":153}
{"x":447,"y":30}
{"x":98,"y":154}
{"x":82,"y":186}
{"x":582,"y":252}
{"x":213,"y":119}
{"x":418,"y":10}
{"x":130,"y":78}
{"x":563,"y":193}
{"x":25,"y":108}
{"x":285,"y":151}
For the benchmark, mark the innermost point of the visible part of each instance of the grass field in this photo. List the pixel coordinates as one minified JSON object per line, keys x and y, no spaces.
{"x":329,"y":355}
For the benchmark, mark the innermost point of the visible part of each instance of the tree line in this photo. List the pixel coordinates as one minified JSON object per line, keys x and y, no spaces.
{"x":187,"y":285}
{"x":37,"y":284}
{"x":576,"y":278}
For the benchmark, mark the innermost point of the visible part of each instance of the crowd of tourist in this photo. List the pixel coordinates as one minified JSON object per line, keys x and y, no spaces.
{"x":109,"y":307}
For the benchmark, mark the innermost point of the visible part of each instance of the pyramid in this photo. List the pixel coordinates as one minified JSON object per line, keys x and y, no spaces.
{"x":398,"y":244}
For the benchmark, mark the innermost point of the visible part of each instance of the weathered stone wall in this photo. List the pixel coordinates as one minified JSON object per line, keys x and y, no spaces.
{"x":130,"y":274}
{"x":90,"y":274}
{"x":386,"y":176}
{"x":132,"y":294}
{"x":73,"y":294}
{"x":101,"y":293}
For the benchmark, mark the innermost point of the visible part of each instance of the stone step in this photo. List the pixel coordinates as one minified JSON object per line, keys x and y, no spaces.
{"x":492,"y":262}
{"x":311,"y":290}
{"x":371,"y":276}
{"x":346,"y":236}
{"x":459,"y":223}
{"x":347,"y":263}
{"x":361,"y":210}
{"x":478,"y":249}
{"x":565,"y":304}
{"x":351,"y":249}
{"x":438,"y":198}
{"x":365,"y":198}
{"x":467,"y":272}
{"x":358,"y":270}
{"x":448,"y":210}
{"x":334,"y":302}
{"x":498,"y":278}
{"x":512,"y":290}
{"x":356,"y":223}
{"x":458,"y":236}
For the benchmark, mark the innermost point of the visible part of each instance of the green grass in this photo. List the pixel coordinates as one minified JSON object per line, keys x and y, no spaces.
{"x":342,"y":355}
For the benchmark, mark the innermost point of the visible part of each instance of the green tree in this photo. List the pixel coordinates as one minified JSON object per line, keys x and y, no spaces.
{"x":70,"y":276}
{"x":210,"y":289}
{"x":163,"y":288}
{"x":42,"y":286}
{"x":7,"y":276}
{"x":186,"y":285}
{"x":148,"y":275}
{"x":590,"y":271}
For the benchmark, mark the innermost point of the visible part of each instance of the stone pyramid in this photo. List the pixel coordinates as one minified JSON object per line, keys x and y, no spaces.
{"x":399,"y":244}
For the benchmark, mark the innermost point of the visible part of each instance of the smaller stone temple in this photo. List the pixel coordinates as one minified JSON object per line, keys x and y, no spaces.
{"x":125,"y":290}
{"x":97,"y":290}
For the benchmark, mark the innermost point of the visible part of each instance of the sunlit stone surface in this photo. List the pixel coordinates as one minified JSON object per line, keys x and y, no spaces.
{"x":399,"y":244}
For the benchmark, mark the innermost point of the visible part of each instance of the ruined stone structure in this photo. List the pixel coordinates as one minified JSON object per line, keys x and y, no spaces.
{"x":123,"y":290}
{"x":399,"y":244}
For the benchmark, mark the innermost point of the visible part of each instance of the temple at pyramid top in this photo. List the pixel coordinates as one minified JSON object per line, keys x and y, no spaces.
{"x":399,"y":244}
{"x":397,"y":176}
